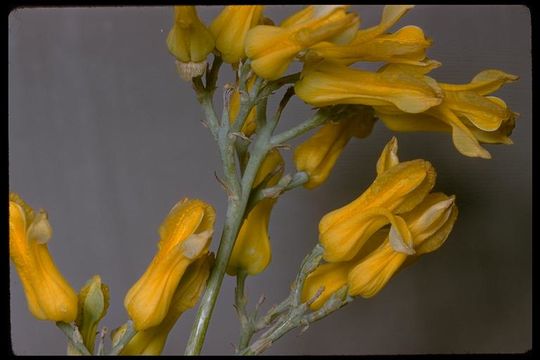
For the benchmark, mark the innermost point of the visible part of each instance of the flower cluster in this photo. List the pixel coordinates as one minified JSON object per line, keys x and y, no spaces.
{"x":327,"y":40}
{"x":361,"y":250}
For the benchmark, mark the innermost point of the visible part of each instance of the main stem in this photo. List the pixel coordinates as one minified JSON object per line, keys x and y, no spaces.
{"x":235,"y":214}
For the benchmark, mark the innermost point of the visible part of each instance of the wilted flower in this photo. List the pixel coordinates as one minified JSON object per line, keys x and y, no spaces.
{"x":190,"y":42}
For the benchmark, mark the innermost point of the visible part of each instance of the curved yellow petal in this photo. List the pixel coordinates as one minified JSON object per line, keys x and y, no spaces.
{"x":390,"y":16}
{"x":484,"y":83}
{"x":388,"y":157}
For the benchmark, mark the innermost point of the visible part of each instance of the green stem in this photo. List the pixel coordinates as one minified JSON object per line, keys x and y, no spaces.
{"x":317,"y":119}
{"x":129,"y":333}
{"x":246,"y":331}
{"x":235,"y":214}
{"x":74,"y":336}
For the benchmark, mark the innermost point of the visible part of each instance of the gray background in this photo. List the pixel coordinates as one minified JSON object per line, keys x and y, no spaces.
{"x":106,"y":137}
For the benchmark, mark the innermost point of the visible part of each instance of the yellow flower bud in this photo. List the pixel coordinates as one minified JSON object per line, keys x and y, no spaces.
{"x":152,"y":341}
{"x":250,"y":125}
{"x":330,"y":83}
{"x":466,"y":112}
{"x":230,"y":29}
{"x":190,"y":42}
{"x":252,"y":252}
{"x":93,"y":305}
{"x":430,"y":224}
{"x":318,"y":155}
{"x":397,"y":189}
{"x":272,"y":48}
{"x":185,"y":236}
{"x":49,"y":295}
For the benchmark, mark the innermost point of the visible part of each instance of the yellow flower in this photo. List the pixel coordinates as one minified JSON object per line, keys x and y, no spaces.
{"x":397,"y":189}
{"x":466,"y":112}
{"x":251,"y":252}
{"x":318,"y":155}
{"x":152,"y":341}
{"x":272,"y":48}
{"x":93,"y":305}
{"x":190,"y":42}
{"x":250,"y":125}
{"x":185,"y":236}
{"x":49,"y":295}
{"x":331,"y":83}
{"x":230,"y":29}
{"x":407,"y":45}
{"x":421,"y":229}
{"x":430,"y":224}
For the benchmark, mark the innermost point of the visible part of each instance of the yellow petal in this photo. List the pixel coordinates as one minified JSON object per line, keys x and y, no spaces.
{"x":408,"y":45}
{"x":431,"y":222}
{"x":399,"y":189}
{"x":329,"y":84}
{"x":421,"y":68}
{"x":318,"y":155}
{"x":388,"y":157}
{"x":343,"y":240}
{"x":271,"y":49}
{"x":189,"y":40}
{"x":368,"y":277}
{"x":330,"y":277}
{"x":481,"y":112}
{"x":484,"y":83}
{"x":270,"y":170}
{"x":391,"y":15}
{"x":404,"y":122}
{"x":152,"y":340}
{"x":252,"y":252}
{"x":462,"y":137}
{"x":230,"y":28}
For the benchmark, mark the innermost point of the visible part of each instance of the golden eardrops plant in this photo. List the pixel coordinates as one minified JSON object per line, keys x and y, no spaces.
{"x":361,"y":245}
